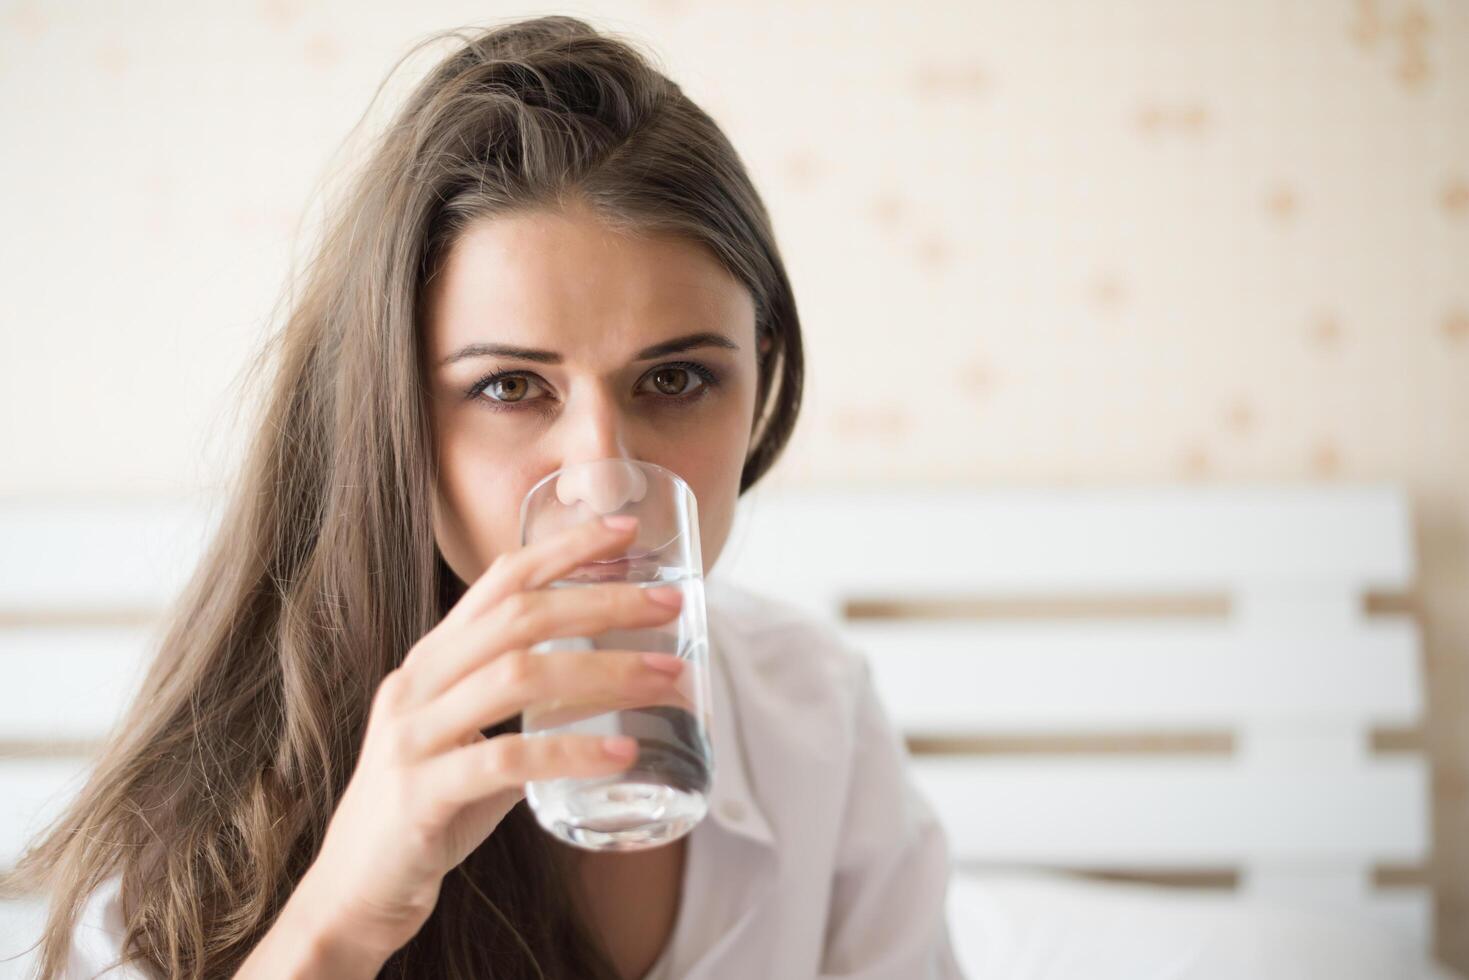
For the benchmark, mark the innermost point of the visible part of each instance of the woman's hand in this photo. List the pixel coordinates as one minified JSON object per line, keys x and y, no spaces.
{"x":429,"y":787}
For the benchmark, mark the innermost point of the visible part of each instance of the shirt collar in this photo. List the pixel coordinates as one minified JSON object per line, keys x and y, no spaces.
{"x":732,"y":803}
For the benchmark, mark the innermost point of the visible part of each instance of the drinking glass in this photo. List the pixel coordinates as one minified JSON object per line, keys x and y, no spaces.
{"x":664,"y":793}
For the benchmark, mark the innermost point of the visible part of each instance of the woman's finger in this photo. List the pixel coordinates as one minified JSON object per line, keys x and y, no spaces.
{"x":484,"y":768}
{"x":526,"y":618}
{"x":550,"y":688}
{"x":540,"y":563}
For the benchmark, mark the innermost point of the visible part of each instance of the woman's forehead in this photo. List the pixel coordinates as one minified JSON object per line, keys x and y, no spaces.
{"x":551,"y":281}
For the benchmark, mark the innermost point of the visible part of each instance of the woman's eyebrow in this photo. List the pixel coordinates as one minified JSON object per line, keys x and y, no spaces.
{"x":690,"y":342}
{"x":674,"y":346}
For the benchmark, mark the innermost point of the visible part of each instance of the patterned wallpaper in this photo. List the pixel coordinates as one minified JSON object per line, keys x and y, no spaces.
{"x":1064,"y":241}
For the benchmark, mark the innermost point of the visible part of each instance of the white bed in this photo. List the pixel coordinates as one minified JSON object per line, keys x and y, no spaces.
{"x":1029,"y":926}
{"x":1298,"y":808}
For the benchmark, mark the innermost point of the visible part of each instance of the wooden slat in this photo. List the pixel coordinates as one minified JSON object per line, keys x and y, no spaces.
{"x":951,"y":678}
{"x":68,"y":685}
{"x":98,"y":556}
{"x":1158,"y":813}
{"x":816,"y":545}
{"x":928,"y":543}
{"x":938,"y":679}
{"x":32,"y":793}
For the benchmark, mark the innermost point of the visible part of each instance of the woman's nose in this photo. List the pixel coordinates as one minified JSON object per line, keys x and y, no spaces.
{"x":596,"y":435}
{"x":605,"y":484}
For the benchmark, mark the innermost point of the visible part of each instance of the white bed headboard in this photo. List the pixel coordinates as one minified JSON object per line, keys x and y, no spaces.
{"x":1294,"y":670}
{"x":1289,"y":668}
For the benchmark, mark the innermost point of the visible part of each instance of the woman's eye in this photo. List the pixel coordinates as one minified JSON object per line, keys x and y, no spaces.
{"x":674,"y":381}
{"x":509,"y":388}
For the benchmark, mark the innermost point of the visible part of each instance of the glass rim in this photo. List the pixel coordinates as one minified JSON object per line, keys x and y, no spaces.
{"x":679,"y":483}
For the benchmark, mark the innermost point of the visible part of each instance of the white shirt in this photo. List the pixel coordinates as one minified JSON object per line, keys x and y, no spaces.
{"x":818,"y":857}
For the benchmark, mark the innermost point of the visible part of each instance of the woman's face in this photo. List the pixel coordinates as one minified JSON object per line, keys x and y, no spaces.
{"x":584,"y":305}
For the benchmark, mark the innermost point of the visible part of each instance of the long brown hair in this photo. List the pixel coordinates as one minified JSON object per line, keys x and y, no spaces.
{"x":212,"y":797}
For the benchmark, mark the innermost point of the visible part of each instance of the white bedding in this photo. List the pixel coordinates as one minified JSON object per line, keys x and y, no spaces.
{"x":1039,"y":926}
{"x":1051,"y":926}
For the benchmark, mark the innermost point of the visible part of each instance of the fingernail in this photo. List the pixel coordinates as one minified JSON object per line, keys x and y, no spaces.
{"x":620,"y":746}
{"x":665,"y":595}
{"x":620,"y":522}
{"x":666,"y":662}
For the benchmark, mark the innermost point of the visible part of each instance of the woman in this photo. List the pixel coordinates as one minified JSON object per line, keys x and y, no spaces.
{"x":551,"y":255}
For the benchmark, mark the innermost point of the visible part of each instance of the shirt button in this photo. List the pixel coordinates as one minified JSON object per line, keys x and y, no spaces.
{"x":733,"y":809}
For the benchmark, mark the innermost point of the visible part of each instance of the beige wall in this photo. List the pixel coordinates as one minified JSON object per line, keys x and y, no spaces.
{"x":1138,"y":240}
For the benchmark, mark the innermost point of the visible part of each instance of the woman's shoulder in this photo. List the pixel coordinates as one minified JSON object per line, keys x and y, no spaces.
{"x":96,"y":939}
{"x":782,"y":648}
